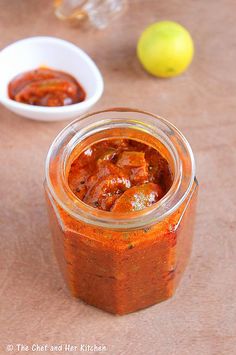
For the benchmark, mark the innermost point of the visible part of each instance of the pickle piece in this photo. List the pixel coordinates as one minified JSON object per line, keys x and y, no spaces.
{"x":138,"y":197}
{"x":131,"y":159}
{"x":105,"y":191}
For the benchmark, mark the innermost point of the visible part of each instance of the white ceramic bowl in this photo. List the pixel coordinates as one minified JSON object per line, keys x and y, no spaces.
{"x":55,"y":53}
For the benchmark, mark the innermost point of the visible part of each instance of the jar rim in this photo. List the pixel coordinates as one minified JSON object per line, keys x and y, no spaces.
{"x":86,"y":126}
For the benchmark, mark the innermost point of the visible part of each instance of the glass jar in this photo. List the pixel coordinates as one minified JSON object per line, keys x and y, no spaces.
{"x":122,"y":262}
{"x":98,"y":12}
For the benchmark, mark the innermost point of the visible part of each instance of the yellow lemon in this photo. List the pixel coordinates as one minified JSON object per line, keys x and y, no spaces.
{"x":165,"y":49}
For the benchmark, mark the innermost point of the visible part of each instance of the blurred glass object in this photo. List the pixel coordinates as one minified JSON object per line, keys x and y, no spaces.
{"x":98,"y":12}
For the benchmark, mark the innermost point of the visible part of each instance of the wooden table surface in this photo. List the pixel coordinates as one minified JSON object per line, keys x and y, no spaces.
{"x":35,"y":307}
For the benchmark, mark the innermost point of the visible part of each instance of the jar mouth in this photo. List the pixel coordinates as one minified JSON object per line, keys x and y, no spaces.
{"x":122,"y":123}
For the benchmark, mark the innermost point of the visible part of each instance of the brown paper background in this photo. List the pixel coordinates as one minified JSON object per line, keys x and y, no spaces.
{"x":34,"y":304}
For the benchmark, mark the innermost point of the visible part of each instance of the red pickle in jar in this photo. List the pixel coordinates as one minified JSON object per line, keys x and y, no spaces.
{"x":121,"y":193}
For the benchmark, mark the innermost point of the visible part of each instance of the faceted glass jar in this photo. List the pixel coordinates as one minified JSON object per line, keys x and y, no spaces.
{"x":122,"y":262}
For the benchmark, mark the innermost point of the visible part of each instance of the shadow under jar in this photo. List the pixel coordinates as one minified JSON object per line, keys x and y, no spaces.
{"x":122,"y":262}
